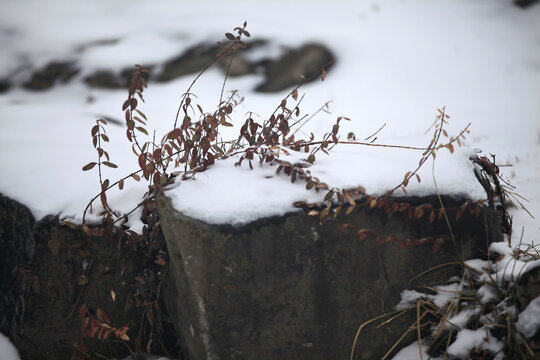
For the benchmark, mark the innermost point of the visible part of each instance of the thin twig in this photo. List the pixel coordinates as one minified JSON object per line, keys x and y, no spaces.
{"x":375,"y":133}
{"x":312,"y":116}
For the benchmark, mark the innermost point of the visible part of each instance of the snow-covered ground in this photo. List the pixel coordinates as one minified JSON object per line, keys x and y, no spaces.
{"x":397,"y":62}
{"x":7,"y":350}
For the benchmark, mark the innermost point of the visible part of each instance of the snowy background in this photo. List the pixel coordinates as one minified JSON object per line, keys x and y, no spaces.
{"x":397,"y":62}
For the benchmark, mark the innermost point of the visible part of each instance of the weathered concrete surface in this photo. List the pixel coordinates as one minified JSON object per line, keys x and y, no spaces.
{"x":41,"y":292}
{"x":290,"y":288}
{"x":17,"y":247}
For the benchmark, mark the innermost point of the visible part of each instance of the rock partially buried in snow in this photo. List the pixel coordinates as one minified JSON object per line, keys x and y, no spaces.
{"x":196,"y":58}
{"x":110,"y":80}
{"x":5,"y":85}
{"x":287,"y":71}
{"x":524,"y":4}
{"x":287,"y":287}
{"x":48,"y":76}
{"x":258,"y":56}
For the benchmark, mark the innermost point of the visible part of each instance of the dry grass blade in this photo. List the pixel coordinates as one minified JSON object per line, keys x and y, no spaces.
{"x":400,"y":312}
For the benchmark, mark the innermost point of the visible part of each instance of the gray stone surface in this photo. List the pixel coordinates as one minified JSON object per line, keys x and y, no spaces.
{"x":525,"y":4}
{"x":286,"y":72}
{"x":52,"y":73}
{"x":290,"y":288}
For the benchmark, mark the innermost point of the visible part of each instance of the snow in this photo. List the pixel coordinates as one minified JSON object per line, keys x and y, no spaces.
{"x":476,"y":70}
{"x":409,"y":298}
{"x":7,"y":349}
{"x":445,"y":294}
{"x":473,"y":339}
{"x":397,"y":61}
{"x":487,"y":293}
{"x":460,"y":319}
{"x":412,"y":352}
{"x":529,"y":320}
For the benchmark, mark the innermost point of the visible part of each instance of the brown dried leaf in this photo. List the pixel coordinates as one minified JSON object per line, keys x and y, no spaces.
{"x":294,"y":94}
{"x":406,"y":178}
{"x":86,"y":229}
{"x":141,"y":113}
{"x":418,"y":213}
{"x":141,"y":129}
{"x":109,"y":164}
{"x":324,"y":213}
{"x":329,"y":195}
{"x":82,"y":280}
{"x":440,"y":214}
{"x":89,"y":166}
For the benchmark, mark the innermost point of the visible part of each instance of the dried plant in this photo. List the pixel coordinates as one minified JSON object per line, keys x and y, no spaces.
{"x":194,"y":144}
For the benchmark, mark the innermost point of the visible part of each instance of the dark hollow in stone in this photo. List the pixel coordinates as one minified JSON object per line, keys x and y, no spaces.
{"x":289,"y":288}
{"x":285,"y":72}
{"x":48,"y":76}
